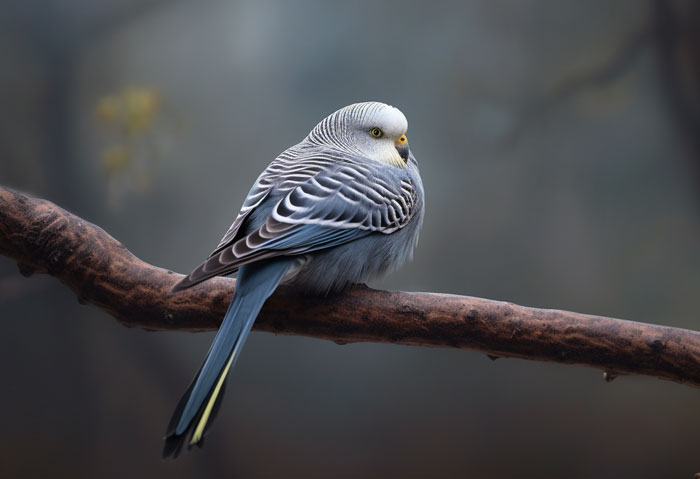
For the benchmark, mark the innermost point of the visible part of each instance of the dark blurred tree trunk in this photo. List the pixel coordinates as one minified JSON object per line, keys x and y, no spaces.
{"x":676,"y":26}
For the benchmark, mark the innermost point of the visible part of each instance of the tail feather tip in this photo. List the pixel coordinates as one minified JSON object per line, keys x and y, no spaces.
{"x":173,"y":446}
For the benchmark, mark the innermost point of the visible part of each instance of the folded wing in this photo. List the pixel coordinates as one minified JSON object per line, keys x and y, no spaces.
{"x":340,"y":203}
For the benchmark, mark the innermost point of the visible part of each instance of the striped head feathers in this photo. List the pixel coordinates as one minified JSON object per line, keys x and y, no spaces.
{"x":374,"y":130}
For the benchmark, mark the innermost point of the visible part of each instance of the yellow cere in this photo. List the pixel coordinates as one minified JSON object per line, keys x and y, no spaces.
{"x":402,"y":140}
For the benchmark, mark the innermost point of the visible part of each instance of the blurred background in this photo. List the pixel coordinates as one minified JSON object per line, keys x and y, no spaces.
{"x":559,"y":144}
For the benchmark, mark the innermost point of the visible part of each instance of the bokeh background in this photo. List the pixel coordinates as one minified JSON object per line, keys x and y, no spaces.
{"x":559,"y":146}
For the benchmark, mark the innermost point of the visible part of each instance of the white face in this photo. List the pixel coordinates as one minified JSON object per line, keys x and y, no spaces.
{"x":381,"y":135}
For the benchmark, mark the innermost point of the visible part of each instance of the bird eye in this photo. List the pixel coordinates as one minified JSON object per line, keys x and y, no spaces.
{"x":376,"y":132}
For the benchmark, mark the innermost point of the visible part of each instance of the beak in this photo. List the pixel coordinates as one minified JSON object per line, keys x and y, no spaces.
{"x":402,"y":147}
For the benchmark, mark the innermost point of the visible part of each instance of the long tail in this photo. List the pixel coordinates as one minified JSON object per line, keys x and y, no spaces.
{"x":198,"y":406}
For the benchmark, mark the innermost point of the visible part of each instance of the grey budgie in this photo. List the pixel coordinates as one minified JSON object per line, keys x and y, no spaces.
{"x":343,"y":206}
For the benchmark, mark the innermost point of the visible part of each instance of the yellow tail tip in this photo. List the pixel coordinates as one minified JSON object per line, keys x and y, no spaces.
{"x":199,"y":430}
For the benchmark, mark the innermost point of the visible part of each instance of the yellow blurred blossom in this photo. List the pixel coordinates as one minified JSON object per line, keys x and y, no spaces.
{"x":134,"y":109}
{"x":140,"y":107}
{"x":115,"y":159}
{"x":136,"y":124}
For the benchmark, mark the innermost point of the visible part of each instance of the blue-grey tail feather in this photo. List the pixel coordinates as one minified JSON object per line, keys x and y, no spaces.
{"x":256,"y":282}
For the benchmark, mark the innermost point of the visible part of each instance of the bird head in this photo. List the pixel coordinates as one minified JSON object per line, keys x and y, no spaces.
{"x":373,"y":129}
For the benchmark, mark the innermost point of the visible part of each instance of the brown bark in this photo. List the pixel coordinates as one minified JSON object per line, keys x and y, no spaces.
{"x":42,"y":237}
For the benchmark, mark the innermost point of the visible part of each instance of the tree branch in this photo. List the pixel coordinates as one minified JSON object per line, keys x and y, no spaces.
{"x":42,"y":237}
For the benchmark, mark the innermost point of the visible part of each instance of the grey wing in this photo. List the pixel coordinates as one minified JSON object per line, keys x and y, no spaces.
{"x":341,"y":202}
{"x":256,"y":196}
{"x":291,"y":168}
{"x":351,"y":196}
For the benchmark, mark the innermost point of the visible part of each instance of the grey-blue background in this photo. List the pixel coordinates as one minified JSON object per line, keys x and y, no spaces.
{"x":558,"y":170}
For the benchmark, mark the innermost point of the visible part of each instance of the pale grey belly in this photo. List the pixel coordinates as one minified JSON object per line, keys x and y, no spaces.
{"x":361,"y":260}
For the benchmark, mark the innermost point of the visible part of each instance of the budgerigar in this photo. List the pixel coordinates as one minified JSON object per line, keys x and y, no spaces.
{"x":343,"y":206}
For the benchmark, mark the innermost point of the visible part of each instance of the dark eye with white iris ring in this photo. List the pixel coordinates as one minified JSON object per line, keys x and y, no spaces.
{"x":376,"y":132}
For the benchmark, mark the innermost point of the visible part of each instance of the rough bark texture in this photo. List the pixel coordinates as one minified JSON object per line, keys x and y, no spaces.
{"x":44,"y":238}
